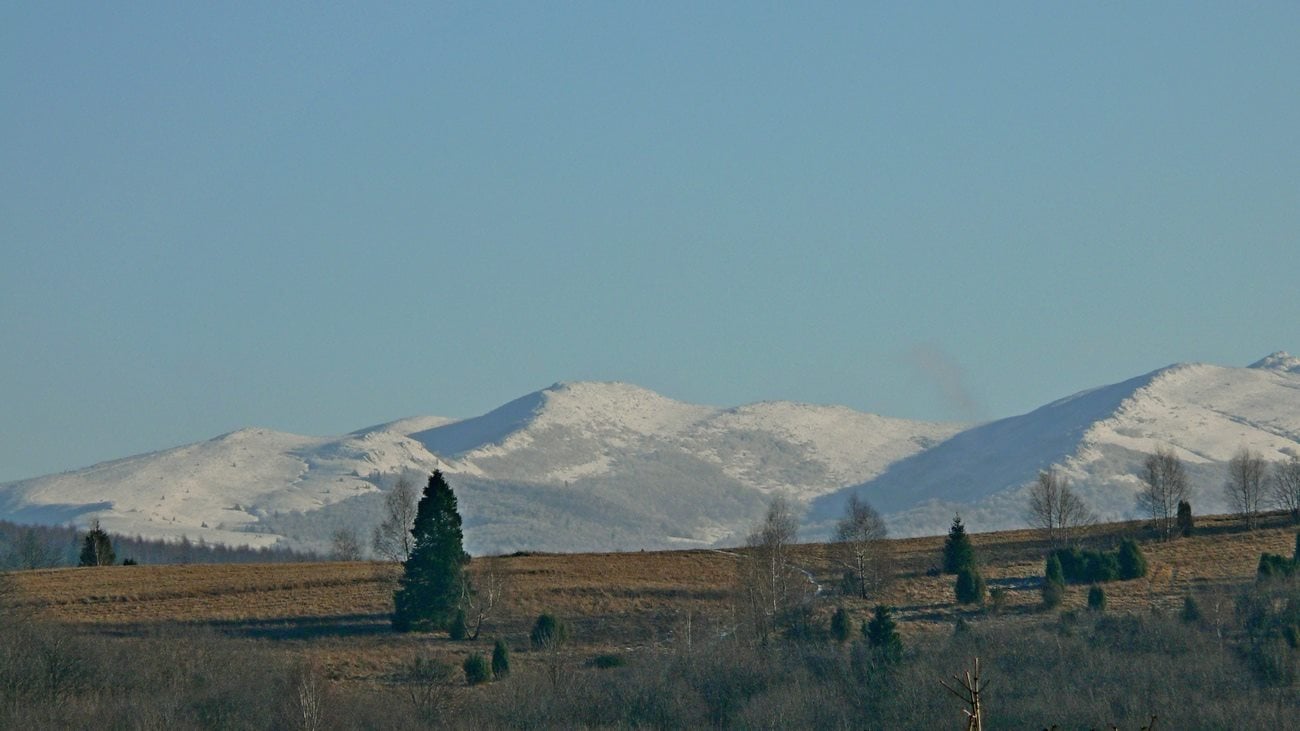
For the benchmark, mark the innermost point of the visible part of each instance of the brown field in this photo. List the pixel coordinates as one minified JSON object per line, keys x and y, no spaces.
{"x":336,"y":614}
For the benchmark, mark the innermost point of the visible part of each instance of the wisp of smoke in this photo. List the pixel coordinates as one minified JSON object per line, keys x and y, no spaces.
{"x":949,"y":378}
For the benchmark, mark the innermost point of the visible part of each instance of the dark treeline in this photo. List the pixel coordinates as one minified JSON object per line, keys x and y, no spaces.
{"x":43,"y":546}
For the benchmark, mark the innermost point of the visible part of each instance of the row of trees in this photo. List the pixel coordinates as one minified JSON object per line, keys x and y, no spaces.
{"x":1252,"y":484}
{"x":1057,"y":511}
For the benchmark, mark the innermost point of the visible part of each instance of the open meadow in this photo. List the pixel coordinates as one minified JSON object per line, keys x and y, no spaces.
{"x":642,"y":609}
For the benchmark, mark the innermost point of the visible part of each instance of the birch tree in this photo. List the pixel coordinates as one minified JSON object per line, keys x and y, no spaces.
{"x":1165,"y":485}
{"x":1055,"y":509}
{"x":770,"y":584}
{"x":1284,"y":486}
{"x":392,"y":539}
{"x":1244,"y":489}
{"x":861,"y":547}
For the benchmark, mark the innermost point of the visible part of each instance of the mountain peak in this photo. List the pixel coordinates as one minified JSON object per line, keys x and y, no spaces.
{"x":1280,"y":361}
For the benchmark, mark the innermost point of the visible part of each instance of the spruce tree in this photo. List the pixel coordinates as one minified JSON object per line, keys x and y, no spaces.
{"x":96,"y":548}
{"x":840,"y":625}
{"x":1185,"y":522}
{"x":882,"y":634}
{"x":1053,"y":582}
{"x":1097,"y":599}
{"x":458,"y":631}
{"x":970,"y":586}
{"x":500,"y":659}
{"x":958,"y":553}
{"x":1132,"y":564}
{"x":433,"y":575}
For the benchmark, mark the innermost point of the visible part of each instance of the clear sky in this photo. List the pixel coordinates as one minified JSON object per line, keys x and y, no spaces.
{"x":315,"y":217}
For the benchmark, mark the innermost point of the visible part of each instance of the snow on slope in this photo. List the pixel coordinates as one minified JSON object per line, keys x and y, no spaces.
{"x":577,"y":465}
{"x":847,"y":446}
{"x":1099,"y":439}
{"x":596,"y":466}
{"x":217,"y":490}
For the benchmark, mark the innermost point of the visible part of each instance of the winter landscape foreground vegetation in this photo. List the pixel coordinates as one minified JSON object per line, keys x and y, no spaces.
{"x":1203,"y":639}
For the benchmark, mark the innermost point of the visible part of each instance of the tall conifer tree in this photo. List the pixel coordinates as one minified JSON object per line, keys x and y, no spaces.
{"x":958,"y":553}
{"x":433,"y":576}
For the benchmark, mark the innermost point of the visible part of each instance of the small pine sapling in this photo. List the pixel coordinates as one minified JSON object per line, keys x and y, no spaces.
{"x":1097,"y":599}
{"x":969,"y":587}
{"x":500,"y":659}
{"x":476,"y":669}
{"x":882,"y":634}
{"x":840,"y":625}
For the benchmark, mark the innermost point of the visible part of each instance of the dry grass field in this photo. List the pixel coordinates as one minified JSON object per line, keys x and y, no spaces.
{"x":336,"y":614}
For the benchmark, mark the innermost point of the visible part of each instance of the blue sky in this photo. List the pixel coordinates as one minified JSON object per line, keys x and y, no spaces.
{"x":317,"y":218}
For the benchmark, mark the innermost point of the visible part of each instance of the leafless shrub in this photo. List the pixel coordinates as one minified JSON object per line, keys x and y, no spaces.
{"x":310,"y":699}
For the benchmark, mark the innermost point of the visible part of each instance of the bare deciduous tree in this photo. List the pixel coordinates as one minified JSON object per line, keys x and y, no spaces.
{"x":1285,"y":486}
{"x":1245,"y":485}
{"x":1166,"y":486}
{"x":392,"y":539}
{"x":860,"y":546}
{"x":484,"y":585}
{"x":770,"y":584}
{"x":345,"y":545}
{"x":1055,"y":509}
{"x":34,"y":551}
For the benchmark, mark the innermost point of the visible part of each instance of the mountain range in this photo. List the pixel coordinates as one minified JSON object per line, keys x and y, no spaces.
{"x":612,"y":466}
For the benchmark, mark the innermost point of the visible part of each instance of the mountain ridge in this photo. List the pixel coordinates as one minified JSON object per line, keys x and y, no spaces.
{"x":590,"y":465}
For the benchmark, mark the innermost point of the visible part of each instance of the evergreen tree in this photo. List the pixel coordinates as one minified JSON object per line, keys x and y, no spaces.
{"x":500,"y":659}
{"x":882,"y":633}
{"x":1184,"y":520}
{"x":1053,"y":582}
{"x":476,"y":669}
{"x":1132,"y":564}
{"x":840,"y":625}
{"x":458,"y":631}
{"x":958,"y":553}
{"x":1054,"y":574}
{"x":96,"y":548}
{"x":432,"y":578}
{"x":970,"y":586}
{"x":1097,"y":599}
{"x":548,"y":632}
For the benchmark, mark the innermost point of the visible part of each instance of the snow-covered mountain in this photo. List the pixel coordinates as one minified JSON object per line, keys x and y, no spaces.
{"x":577,"y":466}
{"x":610,"y":466}
{"x":1098,"y":438}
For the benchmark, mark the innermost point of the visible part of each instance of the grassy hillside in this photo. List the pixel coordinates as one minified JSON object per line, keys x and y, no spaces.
{"x":593,"y":586}
{"x":655,"y":610}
